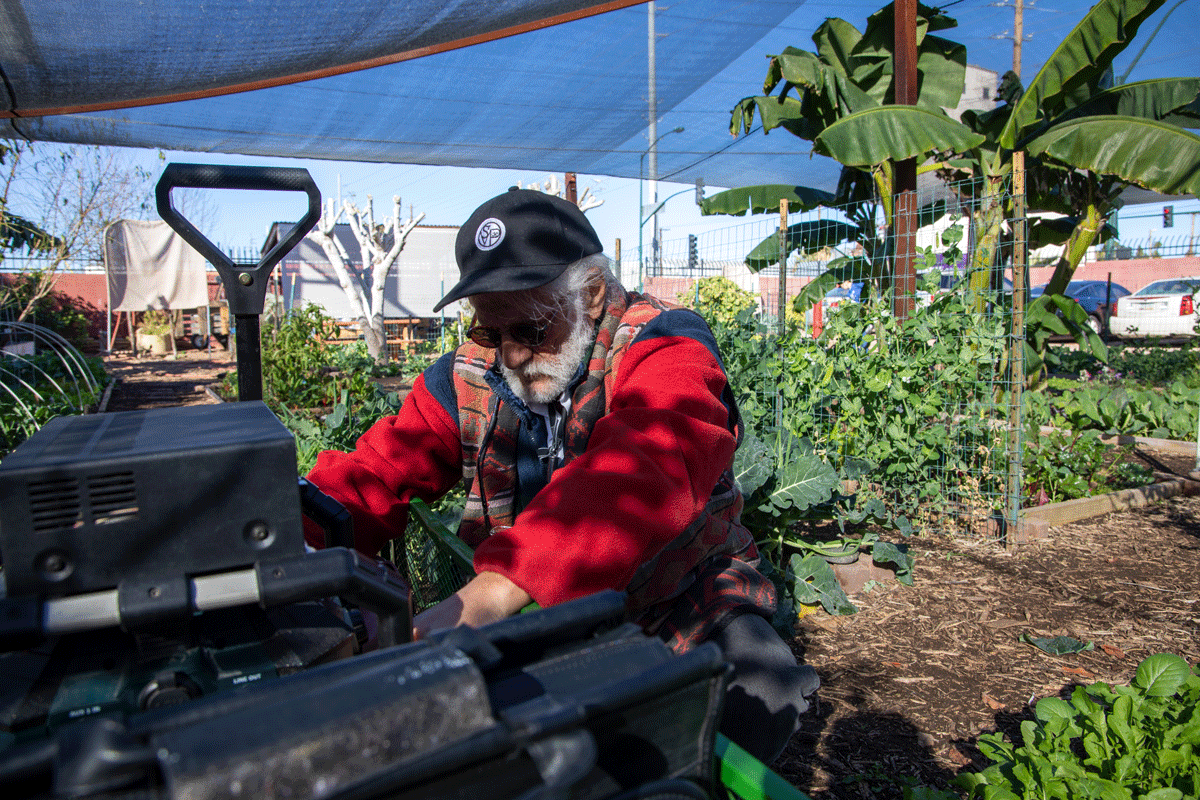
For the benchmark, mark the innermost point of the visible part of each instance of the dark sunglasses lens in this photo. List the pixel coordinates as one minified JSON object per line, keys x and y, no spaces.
{"x":484,"y":336}
{"x":528,"y":334}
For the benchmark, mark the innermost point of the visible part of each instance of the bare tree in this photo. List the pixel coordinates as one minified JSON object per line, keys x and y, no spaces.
{"x":55,"y":202}
{"x":380,"y":246}
{"x":586,"y":201}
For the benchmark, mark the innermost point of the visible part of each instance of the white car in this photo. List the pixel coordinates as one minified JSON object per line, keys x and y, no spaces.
{"x":1167,"y":307}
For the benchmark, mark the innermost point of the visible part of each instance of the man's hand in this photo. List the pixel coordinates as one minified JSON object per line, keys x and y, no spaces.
{"x":488,"y":597}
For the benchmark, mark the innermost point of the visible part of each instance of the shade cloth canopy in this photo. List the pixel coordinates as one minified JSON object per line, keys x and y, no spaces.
{"x":568,"y":97}
{"x":552,"y":85}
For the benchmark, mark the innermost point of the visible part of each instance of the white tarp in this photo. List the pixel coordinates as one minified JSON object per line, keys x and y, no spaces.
{"x":148,"y":265}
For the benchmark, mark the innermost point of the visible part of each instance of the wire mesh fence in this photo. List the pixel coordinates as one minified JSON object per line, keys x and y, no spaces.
{"x":894,"y":355}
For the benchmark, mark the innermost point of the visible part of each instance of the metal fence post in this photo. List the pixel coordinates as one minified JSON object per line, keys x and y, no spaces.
{"x":783,"y":302}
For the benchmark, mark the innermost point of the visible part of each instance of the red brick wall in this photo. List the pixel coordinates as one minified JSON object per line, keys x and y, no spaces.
{"x":1132,"y":273}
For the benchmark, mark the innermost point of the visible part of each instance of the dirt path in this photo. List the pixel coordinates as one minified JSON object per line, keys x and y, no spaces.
{"x":911,"y":680}
{"x":150,"y":381}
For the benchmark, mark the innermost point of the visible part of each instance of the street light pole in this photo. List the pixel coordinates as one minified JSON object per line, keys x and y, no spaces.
{"x":653,"y":152}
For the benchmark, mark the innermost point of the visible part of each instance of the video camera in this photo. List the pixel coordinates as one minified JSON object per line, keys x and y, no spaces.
{"x":165,"y":633}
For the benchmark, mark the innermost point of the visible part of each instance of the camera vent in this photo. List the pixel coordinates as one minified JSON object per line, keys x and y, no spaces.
{"x":54,"y":504}
{"x":112,"y":498}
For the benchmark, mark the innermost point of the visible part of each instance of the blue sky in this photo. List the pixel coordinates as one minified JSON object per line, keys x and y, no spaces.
{"x":447,"y":195}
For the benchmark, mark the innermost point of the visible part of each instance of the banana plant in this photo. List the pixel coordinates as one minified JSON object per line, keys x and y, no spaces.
{"x":1086,"y":139}
{"x":849,"y":74}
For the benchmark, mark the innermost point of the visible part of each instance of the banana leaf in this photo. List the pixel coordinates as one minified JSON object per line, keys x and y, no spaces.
{"x":893,"y":133}
{"x":1156,"y":99}
{"x":776,"y":112}
{"x":763,"y":199}
{"x":943,"y":68}
{"x":806,"y":237}
{"x":1154,"y":155}
{"x":841,"y":269}
{"x":1084,"y":55}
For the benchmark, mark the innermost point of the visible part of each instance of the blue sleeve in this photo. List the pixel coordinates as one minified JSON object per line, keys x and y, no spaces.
{"x":439,"y":381}
{"x":681,"y":322}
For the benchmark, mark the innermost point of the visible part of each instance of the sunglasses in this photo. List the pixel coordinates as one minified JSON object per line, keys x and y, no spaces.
{"x":527,"y":334}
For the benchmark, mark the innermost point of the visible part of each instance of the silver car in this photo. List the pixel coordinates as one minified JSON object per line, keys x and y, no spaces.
{"x":1166,"y":307}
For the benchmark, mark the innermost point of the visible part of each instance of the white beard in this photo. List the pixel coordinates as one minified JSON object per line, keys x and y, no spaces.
{"x":559,"y":368}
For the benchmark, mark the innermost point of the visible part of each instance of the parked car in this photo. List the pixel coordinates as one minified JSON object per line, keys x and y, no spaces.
{"x":841,"y":294}
{"x":1091,"y":295}
{"x":1167,"y":307}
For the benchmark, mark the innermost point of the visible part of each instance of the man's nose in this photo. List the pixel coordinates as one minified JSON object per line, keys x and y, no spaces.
{"x":514,"y":354}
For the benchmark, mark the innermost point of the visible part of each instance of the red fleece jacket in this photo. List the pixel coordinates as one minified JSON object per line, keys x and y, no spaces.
{"x":650,"y":466}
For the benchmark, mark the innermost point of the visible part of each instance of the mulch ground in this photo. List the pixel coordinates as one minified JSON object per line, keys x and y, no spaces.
{"x":912,"y":679}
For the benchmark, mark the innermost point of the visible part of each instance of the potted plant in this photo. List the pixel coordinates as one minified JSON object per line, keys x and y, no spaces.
{"x":154,"y":332}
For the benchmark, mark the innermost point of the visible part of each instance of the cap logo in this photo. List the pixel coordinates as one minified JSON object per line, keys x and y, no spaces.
{"x":490,"y":234}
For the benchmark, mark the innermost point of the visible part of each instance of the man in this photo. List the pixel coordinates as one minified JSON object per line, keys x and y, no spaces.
{"x":595,"y":429}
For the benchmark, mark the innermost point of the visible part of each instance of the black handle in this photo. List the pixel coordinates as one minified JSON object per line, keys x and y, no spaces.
{"x":245,"y":286}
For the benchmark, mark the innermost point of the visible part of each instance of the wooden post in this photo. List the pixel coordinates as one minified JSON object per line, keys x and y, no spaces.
{"x":904,"y":208}
{"x":1016,"y":357}
{"x":571,"y":190}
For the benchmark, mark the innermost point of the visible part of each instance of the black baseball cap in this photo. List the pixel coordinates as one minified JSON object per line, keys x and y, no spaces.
{"x":519,"y":240}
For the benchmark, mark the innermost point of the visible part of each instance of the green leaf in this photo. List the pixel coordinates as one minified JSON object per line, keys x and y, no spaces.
{"x":1058,"y":645}
{"x":1163,"y":793}
{"x":1082,"y":57}
{"x":836,"y":40}
{"x":893,"y":133}
{"x":804,"y":482}
{"x":1162,"y":675}
{"x":776,"y":112}
{"x":1156,"y":99}
{"x":763,"y":199}
{"x":888,"y":553}
{"x":814,"y":579}
{"x":798,"y":67}
{"x":1151,"y":154}
{"x":942,"y":65}
{"x":753,"y":464}
{"x":808,"y":236}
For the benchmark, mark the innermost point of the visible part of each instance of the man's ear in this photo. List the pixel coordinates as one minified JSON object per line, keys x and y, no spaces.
{"x":593,"y":299}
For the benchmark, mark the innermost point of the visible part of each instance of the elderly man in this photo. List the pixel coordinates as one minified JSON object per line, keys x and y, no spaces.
{"x":595,"y":429}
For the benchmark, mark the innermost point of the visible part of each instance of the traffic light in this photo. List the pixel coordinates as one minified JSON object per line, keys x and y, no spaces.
{"x":699,"y":191}
{"x":693,"y":251}
{"x":1168,"y":216}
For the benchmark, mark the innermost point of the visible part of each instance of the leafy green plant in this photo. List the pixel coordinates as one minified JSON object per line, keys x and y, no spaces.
{"x":1165,"y":413}
{"x":1145,"y":366}
{"x":718,"y":298}
{"x":340,"y":428}
{"x":1066,"y":465}
{"x":156,"y":323}
{"x":1136,"y":742}
{"x":55,"y":381}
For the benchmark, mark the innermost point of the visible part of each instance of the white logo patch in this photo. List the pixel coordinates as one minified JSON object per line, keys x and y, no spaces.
{"x":490,"y":234}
